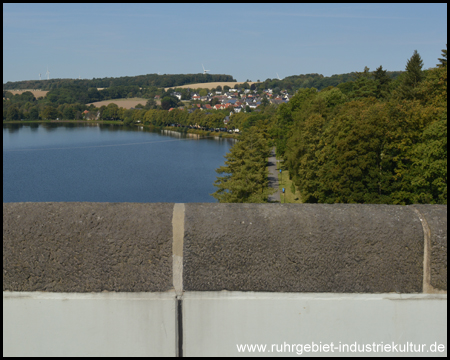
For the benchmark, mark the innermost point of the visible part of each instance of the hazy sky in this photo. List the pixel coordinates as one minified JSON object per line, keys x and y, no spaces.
{"x":247,"y":41}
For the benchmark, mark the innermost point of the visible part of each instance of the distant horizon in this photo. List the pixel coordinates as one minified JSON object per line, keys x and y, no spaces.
{"x":250,"y":80}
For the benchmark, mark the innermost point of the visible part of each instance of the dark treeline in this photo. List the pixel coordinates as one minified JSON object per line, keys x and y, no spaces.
{"x":149,"y":80}
{"x":370,"y":140}
{"x":317,"y":81}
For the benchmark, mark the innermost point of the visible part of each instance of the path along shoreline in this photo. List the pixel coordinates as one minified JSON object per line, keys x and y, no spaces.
{"x":273,"y":177}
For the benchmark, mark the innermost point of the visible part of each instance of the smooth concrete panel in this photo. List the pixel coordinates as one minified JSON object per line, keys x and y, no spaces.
{"x":215,"y":322}
{"x":92,"y":324}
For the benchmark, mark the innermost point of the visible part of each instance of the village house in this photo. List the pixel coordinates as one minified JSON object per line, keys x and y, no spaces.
{"x":177,"y":94}
{"x":276,"y":101}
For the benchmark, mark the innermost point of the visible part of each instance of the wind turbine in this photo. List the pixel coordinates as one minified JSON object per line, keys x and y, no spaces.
{"x":278,"y":77}
{"x":39,"y":76}
{"x":48,"y":74}
{"x":204,"y":71}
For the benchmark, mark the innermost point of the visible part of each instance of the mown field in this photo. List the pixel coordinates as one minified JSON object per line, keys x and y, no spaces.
{"x":36,"y":93}
{"x":124,"y":103}
{"x":211,"y":85}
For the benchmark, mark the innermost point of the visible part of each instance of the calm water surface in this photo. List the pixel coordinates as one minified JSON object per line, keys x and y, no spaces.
{"x":107,"y":163}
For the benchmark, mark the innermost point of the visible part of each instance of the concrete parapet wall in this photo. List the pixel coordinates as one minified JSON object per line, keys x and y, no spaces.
{"x":131,"y":279}
{"x":307,"y":248}
{"x":87,"y":247}
{"x":133,"y":247}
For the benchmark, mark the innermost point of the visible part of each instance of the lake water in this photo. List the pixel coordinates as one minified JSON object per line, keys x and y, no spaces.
{"x":107,"y":163}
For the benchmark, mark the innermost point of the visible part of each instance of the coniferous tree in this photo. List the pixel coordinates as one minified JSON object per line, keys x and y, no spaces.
{"x":246,"y":177}
{"x":364,"y":85}
{"x":443,"y":60}
{"x":382,"y":82}
{"x":413,"y":76}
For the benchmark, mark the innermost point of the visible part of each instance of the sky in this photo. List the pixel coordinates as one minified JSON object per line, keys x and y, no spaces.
{"x":248,"y":41}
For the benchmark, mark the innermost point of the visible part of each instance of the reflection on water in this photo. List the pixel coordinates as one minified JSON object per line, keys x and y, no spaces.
{"x":108,"y":163}
{"x":109,"y":128}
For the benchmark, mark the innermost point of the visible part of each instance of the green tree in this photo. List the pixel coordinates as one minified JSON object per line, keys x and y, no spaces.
{"x":112,"y":112}
{"x":214,"y":101}
{"x":429,"y":168}
{"x":245,"y":176}
{"x":33,"y":113}
{"x":168,"y":102}
{"x":352,"y":166}
{"x":382,"y":82}
{"x":443,"y":60}
{"x":128,"y":121}
{"x":185,"y":94}
{"x":150,"y":104}
{"x":49,"y":113}
{"x":364,"y":86}
{"x":413,"y":76}
{"x":265,"y":101}
{"x":13,"y":113}
{"x":69,"y":113}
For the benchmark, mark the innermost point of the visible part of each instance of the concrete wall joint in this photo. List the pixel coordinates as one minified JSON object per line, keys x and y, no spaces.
{"x":427,"y":287}
{"x":177,"y":248}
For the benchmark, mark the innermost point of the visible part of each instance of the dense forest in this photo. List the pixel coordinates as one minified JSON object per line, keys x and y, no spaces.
{"x":150,"y":80}
{"x":372,"y":140}
{"x":316,"y":81}
{"x":291,"y":83}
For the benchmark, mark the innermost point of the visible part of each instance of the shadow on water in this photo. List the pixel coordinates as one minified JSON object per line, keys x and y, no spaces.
{"x":12,"y":128}
{"x":108,"y":163}
{"x":50,"y":127}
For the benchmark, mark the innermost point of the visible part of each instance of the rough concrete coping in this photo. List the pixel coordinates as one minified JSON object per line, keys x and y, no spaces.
{"x":87,"y":247}
{"x":135,"y":247}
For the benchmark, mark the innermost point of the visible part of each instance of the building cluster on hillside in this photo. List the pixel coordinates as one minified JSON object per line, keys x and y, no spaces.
{"x":235,"y":99}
